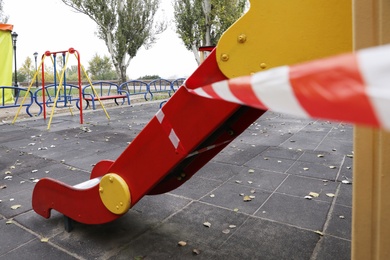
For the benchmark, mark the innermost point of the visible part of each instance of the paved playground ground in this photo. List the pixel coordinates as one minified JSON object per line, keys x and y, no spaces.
{"x":281,"y":190}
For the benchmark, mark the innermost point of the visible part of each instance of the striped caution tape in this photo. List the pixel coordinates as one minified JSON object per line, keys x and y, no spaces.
{"x":352,"y":88}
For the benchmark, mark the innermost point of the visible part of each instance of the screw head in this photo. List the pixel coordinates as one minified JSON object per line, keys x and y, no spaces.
{"x":241,"y":38}
{"x":224,"y":57}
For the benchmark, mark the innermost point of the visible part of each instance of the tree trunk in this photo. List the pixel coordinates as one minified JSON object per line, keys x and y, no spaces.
{"x":207,"y":11}
{"x":195,"y":51}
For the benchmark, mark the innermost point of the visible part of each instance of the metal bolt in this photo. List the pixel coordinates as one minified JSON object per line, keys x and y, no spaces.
{"x":101,"y":190}
{"x":224,"y":57}
{"x":241,"y":38}
{"x":230,"y":132}
{"x":263,"y":65}
{"x":111,"y":179}
{"x":183,"y":175}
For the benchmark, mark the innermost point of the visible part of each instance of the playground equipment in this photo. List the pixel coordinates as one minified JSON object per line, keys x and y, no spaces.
{"x":6,"y":63}
{"x":191,"y":129}
{"x":61,"y":94}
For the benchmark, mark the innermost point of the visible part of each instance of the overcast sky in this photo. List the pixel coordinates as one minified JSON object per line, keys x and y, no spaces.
{"x":50,"y":25}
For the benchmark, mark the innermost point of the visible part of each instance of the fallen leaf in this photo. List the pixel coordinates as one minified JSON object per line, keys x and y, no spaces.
{"x":253,"y":191}
{"x":226,"y":231}
{"x":207,"y":224}
{"x":250,"y":182}
{"x":7,"y":177}
{"x":9,"y":222}
{"x":331,"y":195}
{"x":350,"y":155}
{"x":252,"y":196}
{"x":238,"y":181}
{"x":319,"y":232}
{"x":320,"y":155}
{"x":212,"y":195}
{"x":235,"y":210}
{"x":346,"y":182}
{"x":182,"y":243}
{"x":305,"y":169}
{"x":247,"y":198}
{"x":308,"y":197}
{"x":342,"y":217}
{"x":332,"y":167}
{"x":251,"y":171}
{"x":15,"y":206}
{"x":232,"y":226}
{"x":44,"y":239}
{"x":314,"y":194}
{"x":3,"y":187}
{"x":7,"y":172}
{"x":196,"y":251}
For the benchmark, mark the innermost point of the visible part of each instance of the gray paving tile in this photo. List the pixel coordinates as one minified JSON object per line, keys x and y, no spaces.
{"x":302,"y":186}
{"x":12,"y":237}
{"x":344,"y":197}
{"x":187,"y":224}
{"x":36,"y":250}
{"x":196,"y":187}
{"x":334,"y":248}
{"x":270,"y":163}
{"x":346,"y":170}
{"x":340,"y":222}
{"x":341,"y":145}
{"x":281,"y":152}
{"x":162,"y":243}
{"x":100,"y":241}
{"x":218,"y":171}
{"x":231,"y":196}
{"x":315,"y":170}
{"x":262,"y":239}
{"x":304,"y":140}
{"x":259,"y":179}
{"x":238,"y":153}
{"x":159,"y":207}
{"x":322,"y":157}
{"x":47,"y":228}
{"x":22,"y":198}
{"x":300,"y":212}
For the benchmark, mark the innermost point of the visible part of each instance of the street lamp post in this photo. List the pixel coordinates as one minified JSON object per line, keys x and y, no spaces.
{"x":36,"y":68}
{"x":14,"y":37}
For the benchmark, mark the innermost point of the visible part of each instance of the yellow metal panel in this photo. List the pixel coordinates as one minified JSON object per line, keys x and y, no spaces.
{"x":114,"y":193}
{"x":371,"y":175}
{"x":279,"y":32}
{"x":6,"y":61}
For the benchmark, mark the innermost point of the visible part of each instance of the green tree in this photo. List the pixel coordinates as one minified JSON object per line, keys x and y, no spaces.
{"x":149,"y":77}
{"x":202,"y":22}
{"x":27,"y":71}
{"x":3,"y":17}
{"x":101,"y":68}
{"x":124,"y":25}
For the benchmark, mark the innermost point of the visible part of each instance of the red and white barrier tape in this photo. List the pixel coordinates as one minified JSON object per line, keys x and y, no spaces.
{"x":352,"y":88}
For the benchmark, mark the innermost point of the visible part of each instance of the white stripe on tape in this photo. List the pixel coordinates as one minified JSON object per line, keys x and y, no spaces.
{"x":273,"y":89}
{"x":374,"y":66}
{"x":201,"y":92}
{"x":222,"y":89}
